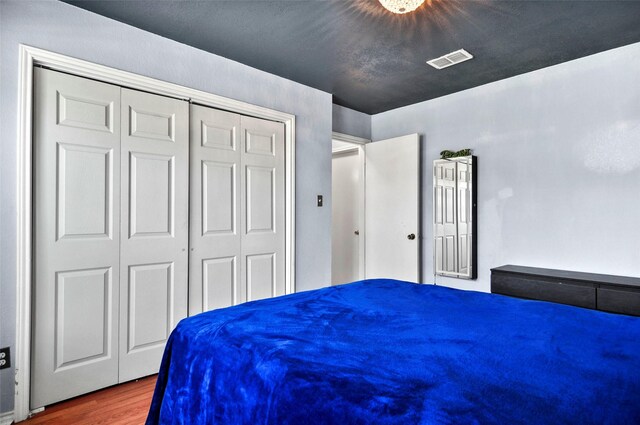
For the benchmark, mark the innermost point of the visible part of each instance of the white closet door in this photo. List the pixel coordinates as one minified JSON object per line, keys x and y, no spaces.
{"x":154,"y":231}
{"x":237,"y":209}
{"x":214,"y":258}
{"x":262,"y":204}
{"x":76,"y":236}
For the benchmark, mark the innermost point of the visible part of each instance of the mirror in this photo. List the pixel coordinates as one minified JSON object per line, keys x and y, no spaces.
{"x":454,"y":216}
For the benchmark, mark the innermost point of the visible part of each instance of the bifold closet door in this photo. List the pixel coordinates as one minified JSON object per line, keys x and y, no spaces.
{"x":262,"y":203}
{"x":237,"y":209}
{"x":214,"y":258}
{"x":76,"y":228}
{"x":155,"y":226}
{"x":110,"y":233}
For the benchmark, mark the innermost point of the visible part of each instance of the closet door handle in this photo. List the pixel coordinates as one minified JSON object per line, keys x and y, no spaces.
{"x":411,"y":236}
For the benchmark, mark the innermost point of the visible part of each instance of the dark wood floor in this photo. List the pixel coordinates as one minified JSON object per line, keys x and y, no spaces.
{"x":125,"y":404}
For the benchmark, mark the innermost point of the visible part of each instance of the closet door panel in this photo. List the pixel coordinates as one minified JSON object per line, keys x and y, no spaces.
{"x":219,"y":282}
{"x":154,"y":231}
{"x":261,"y":199}
{"x":76,"y":238}
{"x":84,"y":204}
{"x":261,"y":276}
{"x":218,"y":198}
{"x":262,"y":203}
{"x":151,"y":195}
{"x":215,"y":209}
{"x":149,"y":305}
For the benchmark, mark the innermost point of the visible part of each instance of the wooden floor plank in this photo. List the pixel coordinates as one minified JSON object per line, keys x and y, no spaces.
{"x":125,"y":404}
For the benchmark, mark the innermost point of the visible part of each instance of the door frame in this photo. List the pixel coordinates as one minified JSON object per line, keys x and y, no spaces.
{"x":359,"y":145}
{"x":32,"y":56}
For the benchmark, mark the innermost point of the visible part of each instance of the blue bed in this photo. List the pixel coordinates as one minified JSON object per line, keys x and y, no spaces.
{"x":390,"y":352}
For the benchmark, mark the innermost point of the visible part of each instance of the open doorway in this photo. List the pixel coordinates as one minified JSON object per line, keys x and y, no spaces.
{"x":376,"y":214}
{"x":347,"y":194}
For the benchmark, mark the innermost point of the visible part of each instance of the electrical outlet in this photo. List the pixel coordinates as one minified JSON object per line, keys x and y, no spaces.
{"x":5,"y":358}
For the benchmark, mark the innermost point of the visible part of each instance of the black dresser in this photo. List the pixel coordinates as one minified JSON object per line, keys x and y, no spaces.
{"x":616,"y":294}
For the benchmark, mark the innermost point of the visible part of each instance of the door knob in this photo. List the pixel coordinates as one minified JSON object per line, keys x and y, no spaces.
{"x":411,"y":236}
{"x":357,"y":232}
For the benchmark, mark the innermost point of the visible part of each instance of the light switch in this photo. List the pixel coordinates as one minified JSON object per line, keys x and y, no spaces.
{"x":5,"y":360}
{"x":319,"y":200}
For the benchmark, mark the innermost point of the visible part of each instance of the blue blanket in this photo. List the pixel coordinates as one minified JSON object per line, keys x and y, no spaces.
{"x":390,"y":352}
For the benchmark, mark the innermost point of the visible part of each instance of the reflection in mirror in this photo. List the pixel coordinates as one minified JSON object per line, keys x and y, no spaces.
{"x":454,"y":216}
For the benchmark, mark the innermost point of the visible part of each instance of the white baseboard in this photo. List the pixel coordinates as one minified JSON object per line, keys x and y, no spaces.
{"x":6,"y":418}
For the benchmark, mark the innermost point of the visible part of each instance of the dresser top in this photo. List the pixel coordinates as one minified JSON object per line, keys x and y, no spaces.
{"x":570,"y":275}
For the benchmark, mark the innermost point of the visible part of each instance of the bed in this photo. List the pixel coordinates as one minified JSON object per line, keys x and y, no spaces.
{"x":390,"y":352}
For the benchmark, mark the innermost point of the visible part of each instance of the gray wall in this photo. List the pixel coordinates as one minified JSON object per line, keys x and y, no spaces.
{"x":559,"y":164}
{"x":351,"y":122}
{"x":71,"y":31}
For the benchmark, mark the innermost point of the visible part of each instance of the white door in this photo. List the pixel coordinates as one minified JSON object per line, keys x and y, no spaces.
{"x":392,"y":209}
{"x":155,"y":226}
{"x":110,"y":232}
{"x":214,"y":258}
{"x":347,"y":231}
{"x":76,"y":236}
{"x":262,"y":221}
{"x":237,"y":209}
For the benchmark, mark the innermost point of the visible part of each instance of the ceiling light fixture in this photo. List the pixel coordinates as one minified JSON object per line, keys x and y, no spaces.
{"x":401,"y":6}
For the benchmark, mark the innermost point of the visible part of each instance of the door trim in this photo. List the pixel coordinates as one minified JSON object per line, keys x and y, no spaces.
{"x":32,"y":56}
{"x":348,"y":138}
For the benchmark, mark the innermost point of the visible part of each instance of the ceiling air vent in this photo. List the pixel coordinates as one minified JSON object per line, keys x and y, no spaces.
{"x":449,"y":59}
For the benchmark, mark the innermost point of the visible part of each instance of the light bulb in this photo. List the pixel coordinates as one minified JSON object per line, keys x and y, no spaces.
{"x":401,"y":6}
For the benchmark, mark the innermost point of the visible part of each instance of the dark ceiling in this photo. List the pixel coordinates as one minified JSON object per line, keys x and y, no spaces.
{"x":372,"y":60}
